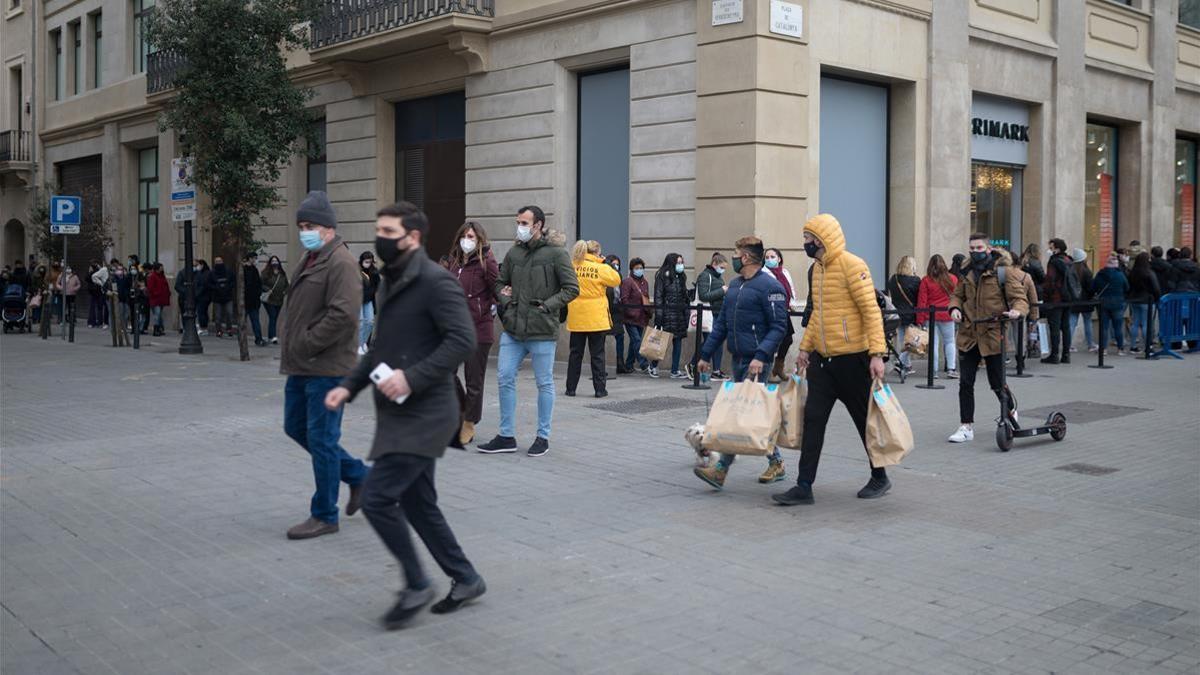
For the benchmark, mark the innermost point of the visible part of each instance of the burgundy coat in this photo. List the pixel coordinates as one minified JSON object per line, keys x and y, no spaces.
{"x":158,"y":289}
{"x":478,"y":284}
{"x":633,"y":290}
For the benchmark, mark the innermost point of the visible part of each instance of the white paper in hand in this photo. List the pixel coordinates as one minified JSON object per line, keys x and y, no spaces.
{"x":383,"y":372}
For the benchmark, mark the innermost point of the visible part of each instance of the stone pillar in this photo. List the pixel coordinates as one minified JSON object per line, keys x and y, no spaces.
{"x":950,"y":124}
{"x":1069,"y":126}
{"x":1161,"y":137}
{"x":751,"y":130}
{"x":114,"y":188}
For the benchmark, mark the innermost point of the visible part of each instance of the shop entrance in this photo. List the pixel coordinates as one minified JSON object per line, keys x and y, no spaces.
{"x":996,"y":203}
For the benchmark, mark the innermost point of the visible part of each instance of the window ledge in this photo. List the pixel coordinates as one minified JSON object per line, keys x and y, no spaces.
{"x":14,"y":13}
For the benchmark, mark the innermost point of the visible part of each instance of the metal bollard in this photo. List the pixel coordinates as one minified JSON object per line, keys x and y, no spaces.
{"x":137,"y":325}
{"x":933,"y":354}
{"x":696,"y":384}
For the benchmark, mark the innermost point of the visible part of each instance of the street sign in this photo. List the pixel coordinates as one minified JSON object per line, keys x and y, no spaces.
{"x":183,"y":192}
{"x":65,"y":214}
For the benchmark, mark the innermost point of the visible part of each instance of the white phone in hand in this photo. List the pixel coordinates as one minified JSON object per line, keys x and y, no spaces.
{"x":382,"y":372}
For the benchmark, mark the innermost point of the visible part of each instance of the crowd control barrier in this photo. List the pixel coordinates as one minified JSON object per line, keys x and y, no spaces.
{"x":1178,"y":320}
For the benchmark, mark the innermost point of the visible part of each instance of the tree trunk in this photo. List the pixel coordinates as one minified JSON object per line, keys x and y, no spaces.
{"x":239,"y":302}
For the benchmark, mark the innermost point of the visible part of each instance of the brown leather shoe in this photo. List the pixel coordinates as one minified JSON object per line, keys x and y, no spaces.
{"x":311,"y":528}
{"x":355,"y":502}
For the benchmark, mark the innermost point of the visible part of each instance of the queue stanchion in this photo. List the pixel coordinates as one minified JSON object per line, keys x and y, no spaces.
{"x":1103,"y":345}
{"x":137,"y":323}
{"x":696,"y":383}
{"x":1148,"y":332}
{"x":71,"y":324}
{"x":933,"y":354}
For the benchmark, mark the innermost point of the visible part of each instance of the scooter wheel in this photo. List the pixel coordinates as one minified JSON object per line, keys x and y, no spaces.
{"x":1004,"y":437}
{"x":1058,"y":426}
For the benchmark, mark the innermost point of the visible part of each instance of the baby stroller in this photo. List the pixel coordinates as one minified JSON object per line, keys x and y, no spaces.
{"x":14,"y":308}
{"x":891,"y":327}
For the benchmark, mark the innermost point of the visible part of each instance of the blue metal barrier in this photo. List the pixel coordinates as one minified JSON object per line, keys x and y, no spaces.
{"x":1178,"y":320}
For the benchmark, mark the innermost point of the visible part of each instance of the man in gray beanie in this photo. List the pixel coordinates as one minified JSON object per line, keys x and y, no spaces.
{"x":318,"y":338}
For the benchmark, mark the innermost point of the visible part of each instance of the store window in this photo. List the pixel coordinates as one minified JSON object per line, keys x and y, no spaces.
{"x":1100,"y":192}
{"x":148,"y":204}
{"x":996,"y":203}
{"x":316,"y":161}
{"x":1185,"y":192}
{"x":1189,"y":13}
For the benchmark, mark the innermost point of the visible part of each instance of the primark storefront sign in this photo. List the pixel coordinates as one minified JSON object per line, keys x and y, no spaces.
{"x":999,"y":152}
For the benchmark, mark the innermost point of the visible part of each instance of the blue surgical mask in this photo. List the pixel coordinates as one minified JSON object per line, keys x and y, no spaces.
{"x":719,"y":270}
{"x":639,"y":272}
{"x":524,"y":233}
{"x":772,"y":263}
{"x":679,"y":268}
{"x":310,"y":240}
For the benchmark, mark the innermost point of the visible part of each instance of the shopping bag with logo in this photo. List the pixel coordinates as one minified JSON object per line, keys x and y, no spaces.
{"x":1039,"y":340}
{"x":744,"y":420}
{"x":708,"y":320}
{"x":792,"y":395}
{"x":655,"y":344}
{"x":916,"y":340}
{"x":889,"y":436}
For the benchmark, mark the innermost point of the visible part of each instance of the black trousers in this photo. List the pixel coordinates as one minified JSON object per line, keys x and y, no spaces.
{"x":595,"y":346}
{"x":969,"y":367}
{"x":1060,"y":330}
{"x":475,"y":373}
{"x":398,"y":492}
{"x":840,"y":378}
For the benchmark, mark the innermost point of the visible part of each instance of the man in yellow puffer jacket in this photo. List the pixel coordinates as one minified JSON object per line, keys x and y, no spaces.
{"x":842,"y":351}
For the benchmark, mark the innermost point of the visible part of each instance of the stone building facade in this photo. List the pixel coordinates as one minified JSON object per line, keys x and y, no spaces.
{"x":660,"y":126}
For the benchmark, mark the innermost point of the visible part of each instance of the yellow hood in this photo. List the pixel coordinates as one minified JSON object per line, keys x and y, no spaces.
{"x":828,"y":231}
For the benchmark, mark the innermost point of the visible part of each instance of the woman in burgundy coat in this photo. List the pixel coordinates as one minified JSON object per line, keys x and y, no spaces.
{"x":471,"y":260}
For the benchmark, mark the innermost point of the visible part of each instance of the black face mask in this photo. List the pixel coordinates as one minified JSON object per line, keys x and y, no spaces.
{"x":979,"y":258}
{"x":386,"y":249}
{"x":811,"y":248}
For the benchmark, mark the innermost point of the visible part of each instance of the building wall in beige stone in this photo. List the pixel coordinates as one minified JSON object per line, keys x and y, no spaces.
{"x":1118,"y":34}
{"x":1187,"y":64}
{"x":1029,"y":20}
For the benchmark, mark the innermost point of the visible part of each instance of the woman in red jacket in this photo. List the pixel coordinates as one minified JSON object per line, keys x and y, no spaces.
{"x":470,"y":260}
{"x":159,"y":292}
{"x":936,"y":288}
{"x":635,"y":292}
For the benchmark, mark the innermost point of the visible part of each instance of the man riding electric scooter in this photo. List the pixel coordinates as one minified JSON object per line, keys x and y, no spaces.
{"x":985,"y":291}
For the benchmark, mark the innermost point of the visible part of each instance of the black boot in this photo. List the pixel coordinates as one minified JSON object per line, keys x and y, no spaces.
{"x":877,"y":486}
{"x":800,"y":493}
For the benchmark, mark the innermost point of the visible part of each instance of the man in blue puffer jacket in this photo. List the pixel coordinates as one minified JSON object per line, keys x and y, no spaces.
{"x":753,"y":321}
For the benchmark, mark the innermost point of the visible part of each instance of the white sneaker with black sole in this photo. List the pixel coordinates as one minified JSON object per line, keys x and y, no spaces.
{"x":965,"y":433}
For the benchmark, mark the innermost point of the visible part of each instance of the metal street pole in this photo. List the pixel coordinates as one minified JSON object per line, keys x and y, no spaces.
{"x":190,"y":342}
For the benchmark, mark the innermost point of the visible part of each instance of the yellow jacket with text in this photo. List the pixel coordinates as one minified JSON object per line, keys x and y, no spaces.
{"x":845,"y":317}
{"x":588,"y":313}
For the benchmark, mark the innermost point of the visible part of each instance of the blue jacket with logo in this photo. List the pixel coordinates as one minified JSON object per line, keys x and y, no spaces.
{"x":753,"y":319}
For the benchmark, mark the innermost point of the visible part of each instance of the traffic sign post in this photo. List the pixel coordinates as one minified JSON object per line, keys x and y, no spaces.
{"x":183,"y":207}
{"x":66,"y":217}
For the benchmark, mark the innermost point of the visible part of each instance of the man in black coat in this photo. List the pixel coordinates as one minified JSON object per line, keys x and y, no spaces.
{"x":424,"y":331}
{"x":1163,"y":269}
{"x":252,"y":295}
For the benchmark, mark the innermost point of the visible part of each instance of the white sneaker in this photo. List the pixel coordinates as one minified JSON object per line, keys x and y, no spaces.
{"x":952,"y":374}
{"x":362,"y":349}
{"x":965,"y":433}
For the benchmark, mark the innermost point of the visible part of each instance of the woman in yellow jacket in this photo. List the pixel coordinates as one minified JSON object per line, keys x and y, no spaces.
{"x":588,"y":317}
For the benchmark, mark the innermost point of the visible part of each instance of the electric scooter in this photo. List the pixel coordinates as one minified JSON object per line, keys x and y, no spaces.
{"x":1007,"y":427}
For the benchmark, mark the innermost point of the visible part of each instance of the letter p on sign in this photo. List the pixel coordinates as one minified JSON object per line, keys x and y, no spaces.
{"x":65,"y":210}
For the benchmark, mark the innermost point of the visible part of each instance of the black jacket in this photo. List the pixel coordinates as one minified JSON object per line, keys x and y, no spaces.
{"x":1086,"y":279}
{"x":252,"y":288}
{"x":903,"y":291}
{"x":221,"y":284}
{"x":1166,"y":273}
{"x":370,"y":283}
{"x":1187,"y":276}
{"x":1143,"y":288}
{"x":671,"y":302}
{"x":422,"y":327}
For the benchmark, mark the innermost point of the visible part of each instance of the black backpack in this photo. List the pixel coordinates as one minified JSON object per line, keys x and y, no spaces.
{"x":1072,"y":289}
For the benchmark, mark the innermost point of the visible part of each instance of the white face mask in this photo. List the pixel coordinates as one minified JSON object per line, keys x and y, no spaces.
{"x":524,"y":232}
{"x":467,"y":244}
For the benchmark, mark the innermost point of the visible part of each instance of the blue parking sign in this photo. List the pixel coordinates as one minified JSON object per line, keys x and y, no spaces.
{"x":65,"y":210}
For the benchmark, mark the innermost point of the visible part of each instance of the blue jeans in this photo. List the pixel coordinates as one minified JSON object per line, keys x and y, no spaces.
{"x":945,"y":338}
{"x":156,"y":316}
{"x":272,"y":320}
{"x":255,"y":323}
{"x":1087,"y":328}
{"x":740,"y":365}
{"x":635,"y":344}
{"x":676,"y":353}
{"x":317,"y":430}
{"x":366,"y":321}
{"x":1141,"y":325}
{"x":1112,"y":320}
{"x":512,"y":353}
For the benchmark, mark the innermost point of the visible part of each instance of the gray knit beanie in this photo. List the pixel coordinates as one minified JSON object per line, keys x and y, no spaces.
{"x":317,"y":210}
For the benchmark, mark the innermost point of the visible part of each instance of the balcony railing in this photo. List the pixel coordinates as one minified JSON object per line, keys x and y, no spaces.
{"x":342,"y":20}
{"x":16,"y":146}
{"x":162,"y":67}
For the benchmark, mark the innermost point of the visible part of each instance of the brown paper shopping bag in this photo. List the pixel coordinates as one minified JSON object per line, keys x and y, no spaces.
{"x":744,"y":419}
{"x":655,"y":344}
{"x":889,"y":436}
{"x":916,"y":340}
{"x":792,"y":395}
